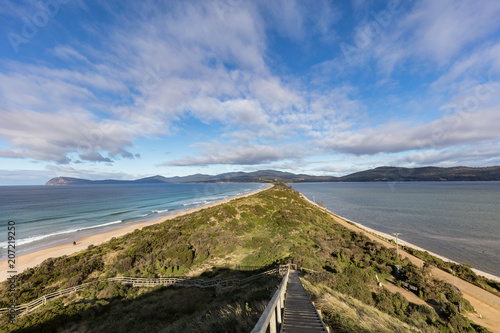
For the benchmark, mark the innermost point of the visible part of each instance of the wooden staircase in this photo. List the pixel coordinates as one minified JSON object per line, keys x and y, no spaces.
{"x":300,"y":316}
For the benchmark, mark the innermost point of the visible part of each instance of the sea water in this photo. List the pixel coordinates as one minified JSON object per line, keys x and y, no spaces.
{"x":50,"y":215}
{"x":457,"y":220}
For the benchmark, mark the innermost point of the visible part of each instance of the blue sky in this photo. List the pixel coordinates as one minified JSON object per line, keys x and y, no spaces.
{"x":129,"y":89}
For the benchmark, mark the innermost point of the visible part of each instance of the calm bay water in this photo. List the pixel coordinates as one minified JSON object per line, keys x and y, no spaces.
{"x":457,"y":220}
{"x":51,"y":215}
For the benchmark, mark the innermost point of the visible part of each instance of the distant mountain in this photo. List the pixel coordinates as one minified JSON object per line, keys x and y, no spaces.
{"x":390,"y":174}
{"x":68,"y":181}
{"x":79,"y":181}
{"x":380,"y":174}
{"x":151,"y":180}
{"x":263,"y":176}
{"x":269,"y":176}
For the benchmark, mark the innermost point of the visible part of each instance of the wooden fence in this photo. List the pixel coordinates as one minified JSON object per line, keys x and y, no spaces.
{"x":44,"y":299}
{"x":218,"y":284}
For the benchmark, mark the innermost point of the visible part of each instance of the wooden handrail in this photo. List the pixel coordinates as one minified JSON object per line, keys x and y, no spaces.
{"x":272,"y":317}
{"x":308,"y":269}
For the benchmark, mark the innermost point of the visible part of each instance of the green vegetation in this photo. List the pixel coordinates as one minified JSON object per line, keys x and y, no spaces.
{"x":275,"y":226}
{"x":117,"y":308}
{"x":347,"y":314}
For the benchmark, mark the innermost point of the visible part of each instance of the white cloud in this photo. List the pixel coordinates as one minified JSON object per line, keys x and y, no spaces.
{"x":246,"y":155}
{"x":66,"y":52}
{"x":481,"y":66}
{"x":51,"y":137}
{"x":475,"y":127}
{"x":428,"y":33}
{"x":441,"y":29}
{"x":95,"y":157}
{"x":205,"y":59}
{"x":162,"y":63}
{"x":478,"y":155}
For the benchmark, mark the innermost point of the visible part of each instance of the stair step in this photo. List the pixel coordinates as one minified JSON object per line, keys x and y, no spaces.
{"x":299,"y":314}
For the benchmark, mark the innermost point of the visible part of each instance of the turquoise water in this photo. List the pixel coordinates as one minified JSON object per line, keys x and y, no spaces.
{"x":49,"y":215}
{"x":457,"y":220}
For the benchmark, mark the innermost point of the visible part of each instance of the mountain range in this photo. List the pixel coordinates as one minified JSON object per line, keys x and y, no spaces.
{"x":380,"y":174}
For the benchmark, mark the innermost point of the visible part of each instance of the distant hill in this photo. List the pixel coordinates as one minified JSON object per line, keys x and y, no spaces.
{"x":263,"y":176}
{"x":389,"y":174}
{"x":380,"y":174}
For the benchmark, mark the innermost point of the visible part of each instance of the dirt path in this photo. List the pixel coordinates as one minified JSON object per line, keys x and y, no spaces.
{"x":411,"y":297}
{"x":486,"y":304}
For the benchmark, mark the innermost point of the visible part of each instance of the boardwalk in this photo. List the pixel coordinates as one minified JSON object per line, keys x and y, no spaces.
{"x":299,"y":315}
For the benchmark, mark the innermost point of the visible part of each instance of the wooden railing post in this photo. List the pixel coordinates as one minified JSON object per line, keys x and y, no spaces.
{"x":271,"y":317}
{"x":272,"y":323}
{"x":279,"y":318}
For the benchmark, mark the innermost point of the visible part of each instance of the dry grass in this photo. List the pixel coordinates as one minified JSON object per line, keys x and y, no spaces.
{"x":344,"y":313}
{"x":230,"y":260}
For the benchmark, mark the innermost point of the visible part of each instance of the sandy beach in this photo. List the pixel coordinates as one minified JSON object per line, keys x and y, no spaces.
{"x":34,"y":258}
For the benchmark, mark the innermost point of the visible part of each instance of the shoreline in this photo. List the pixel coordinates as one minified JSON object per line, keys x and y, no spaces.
{"x":401,"y":242}
{"x":486,"y":304}
{"x":32,"y":259}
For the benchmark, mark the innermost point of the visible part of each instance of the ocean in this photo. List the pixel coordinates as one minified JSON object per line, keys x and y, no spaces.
{"x":457,"y":220}
{"x":50,"y":215}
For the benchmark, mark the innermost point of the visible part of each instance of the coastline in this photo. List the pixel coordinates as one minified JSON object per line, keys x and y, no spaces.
{"x":485,"y":303}
{"x":401,"y":242}
{"x":33,"y":259}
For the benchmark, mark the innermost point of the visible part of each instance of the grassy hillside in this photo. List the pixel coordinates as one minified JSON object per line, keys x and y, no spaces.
{"x":272,"y":227}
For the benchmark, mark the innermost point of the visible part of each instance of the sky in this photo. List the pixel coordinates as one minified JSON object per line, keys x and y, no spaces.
{"x":130,"y":89}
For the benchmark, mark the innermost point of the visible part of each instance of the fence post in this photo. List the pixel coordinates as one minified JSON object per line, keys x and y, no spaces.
{"x":272,"y":323}
{"x":218,"y":289}
{"x":278,"y":311}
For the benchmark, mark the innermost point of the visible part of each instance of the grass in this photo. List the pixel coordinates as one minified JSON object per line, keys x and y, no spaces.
{"x":272,"y":227}
{"x":112,"y":307}
{"x":343,"y":313}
